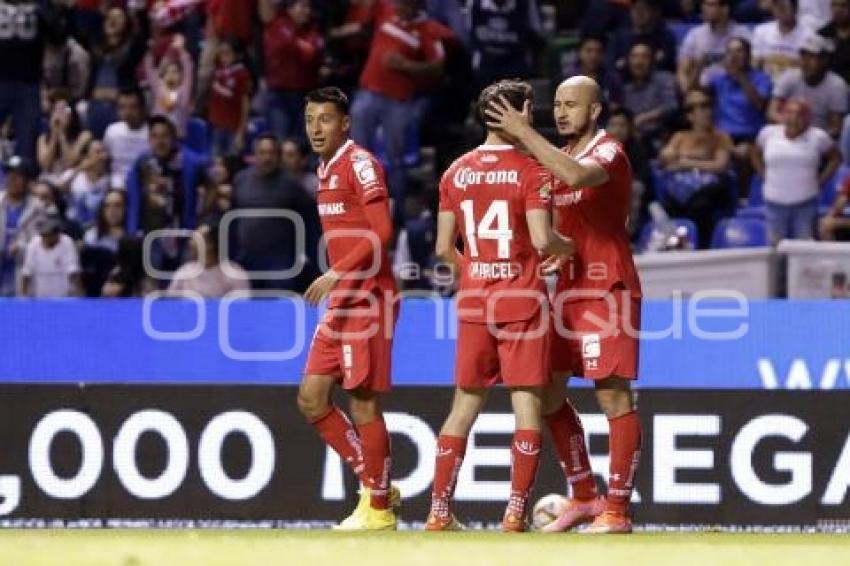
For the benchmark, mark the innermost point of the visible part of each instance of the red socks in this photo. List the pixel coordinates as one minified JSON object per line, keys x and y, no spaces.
{"x":525,"y":457}
{"x":376,"y":455}
{"x":568,"y":436}
{"x":624,"y":442}
{"x":337,"y":432}
{"x":450,"y":452}
{"x":366,"y":450}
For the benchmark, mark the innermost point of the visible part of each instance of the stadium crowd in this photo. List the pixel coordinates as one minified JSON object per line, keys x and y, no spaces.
{"x":120,"y":118}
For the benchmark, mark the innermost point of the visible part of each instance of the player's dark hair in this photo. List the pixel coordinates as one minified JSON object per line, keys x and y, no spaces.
{"x":743,"y":41}
{"x":329,"y":94}
{"x":515,"y":91}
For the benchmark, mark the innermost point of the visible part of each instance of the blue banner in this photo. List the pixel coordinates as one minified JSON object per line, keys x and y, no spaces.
{"x":689,"y":344}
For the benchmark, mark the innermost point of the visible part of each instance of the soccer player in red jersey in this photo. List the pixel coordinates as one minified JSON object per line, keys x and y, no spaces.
{"x":499,"y":200}
{"x":597,"y":303}
{"x":353,"y":342}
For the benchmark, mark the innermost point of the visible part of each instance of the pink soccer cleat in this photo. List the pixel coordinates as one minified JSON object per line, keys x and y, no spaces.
{"x":609,"y":523}
{"x":576,"y":513}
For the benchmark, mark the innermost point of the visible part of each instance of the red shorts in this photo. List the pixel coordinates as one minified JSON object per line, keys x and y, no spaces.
{"x":356,"y":347}
{"x":485,"y":357}
{"x":597,"y":338}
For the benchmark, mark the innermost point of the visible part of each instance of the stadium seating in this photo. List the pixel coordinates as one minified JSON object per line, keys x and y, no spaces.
{"x":755,"y":201}
{"x":739,"y":232}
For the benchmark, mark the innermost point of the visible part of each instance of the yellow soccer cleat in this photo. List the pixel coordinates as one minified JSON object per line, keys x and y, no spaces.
{"x":357,"y":519}
{"x":380,"y":520}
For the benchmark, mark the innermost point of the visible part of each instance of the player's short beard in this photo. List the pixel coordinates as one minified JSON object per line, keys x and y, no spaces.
{"x":577,"y":133}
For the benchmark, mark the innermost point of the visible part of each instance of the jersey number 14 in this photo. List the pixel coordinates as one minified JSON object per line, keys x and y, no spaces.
{"x":497,"y":215}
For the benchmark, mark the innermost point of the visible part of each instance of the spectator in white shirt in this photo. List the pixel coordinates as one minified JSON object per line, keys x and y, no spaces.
{"x":51,"y":264}
{"x":207,"y":275}
{"x":789,"y":157}
{"x":776,"y":44}
{"x":705,"y":44}
{"x":824,"y":91}
{"x":126,"y":139}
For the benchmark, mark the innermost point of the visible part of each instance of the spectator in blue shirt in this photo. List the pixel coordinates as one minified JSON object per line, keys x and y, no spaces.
{"x":741,"y":94}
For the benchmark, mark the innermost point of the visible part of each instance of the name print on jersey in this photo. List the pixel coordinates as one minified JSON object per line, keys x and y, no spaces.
{"x":332,"y":209}
{"x":466,"y":176}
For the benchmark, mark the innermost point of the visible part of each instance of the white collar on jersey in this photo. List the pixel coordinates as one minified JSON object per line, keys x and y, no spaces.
{"x":323,"y":167}
{"x":591,"y":144}
{"x":494,"y":147}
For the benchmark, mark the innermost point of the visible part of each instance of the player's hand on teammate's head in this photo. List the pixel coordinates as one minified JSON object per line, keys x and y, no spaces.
{"x":507,"y":120}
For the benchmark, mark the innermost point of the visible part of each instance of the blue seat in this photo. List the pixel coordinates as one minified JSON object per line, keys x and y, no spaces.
{"x":830,"y":189}
{"x":739,"y":233}
{"x":690,"y":228}
{"x":198,"y":136}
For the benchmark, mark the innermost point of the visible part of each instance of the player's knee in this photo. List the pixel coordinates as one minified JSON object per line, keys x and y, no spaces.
{"x":615,"y":402}
{"x":311,"y":406}
{"x":364,"y":411}
{"x":364,"y":406}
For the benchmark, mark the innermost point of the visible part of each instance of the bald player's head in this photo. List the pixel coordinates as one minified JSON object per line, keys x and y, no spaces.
{"x":577,"y":106}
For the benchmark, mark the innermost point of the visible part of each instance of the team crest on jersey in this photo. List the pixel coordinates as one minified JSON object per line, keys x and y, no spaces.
{"x":545,"y":191}
{"x":607,"y":151}
{"x":365,"y":172}
{"x":591,"y":346}
{"x":333,"y":183}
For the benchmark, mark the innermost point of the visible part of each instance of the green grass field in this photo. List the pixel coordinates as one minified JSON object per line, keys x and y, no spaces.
{"x":284,"y":548}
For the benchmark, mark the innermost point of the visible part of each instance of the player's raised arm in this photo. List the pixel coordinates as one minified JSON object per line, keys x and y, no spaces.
{"x":577,"y":105}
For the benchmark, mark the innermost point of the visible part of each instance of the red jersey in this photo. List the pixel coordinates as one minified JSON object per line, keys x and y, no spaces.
{"x":292,"y":55}
{"x":489,"y":190}
{"x":366,"y":13}
{"x":230,"y":87}
{"x":595,"y":218}
{"x":417,"y":39}
{"x":347,"y":182}
{"x":232,"y":19}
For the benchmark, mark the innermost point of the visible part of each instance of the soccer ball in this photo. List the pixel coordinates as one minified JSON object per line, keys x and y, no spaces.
{"x":547,"y":509}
